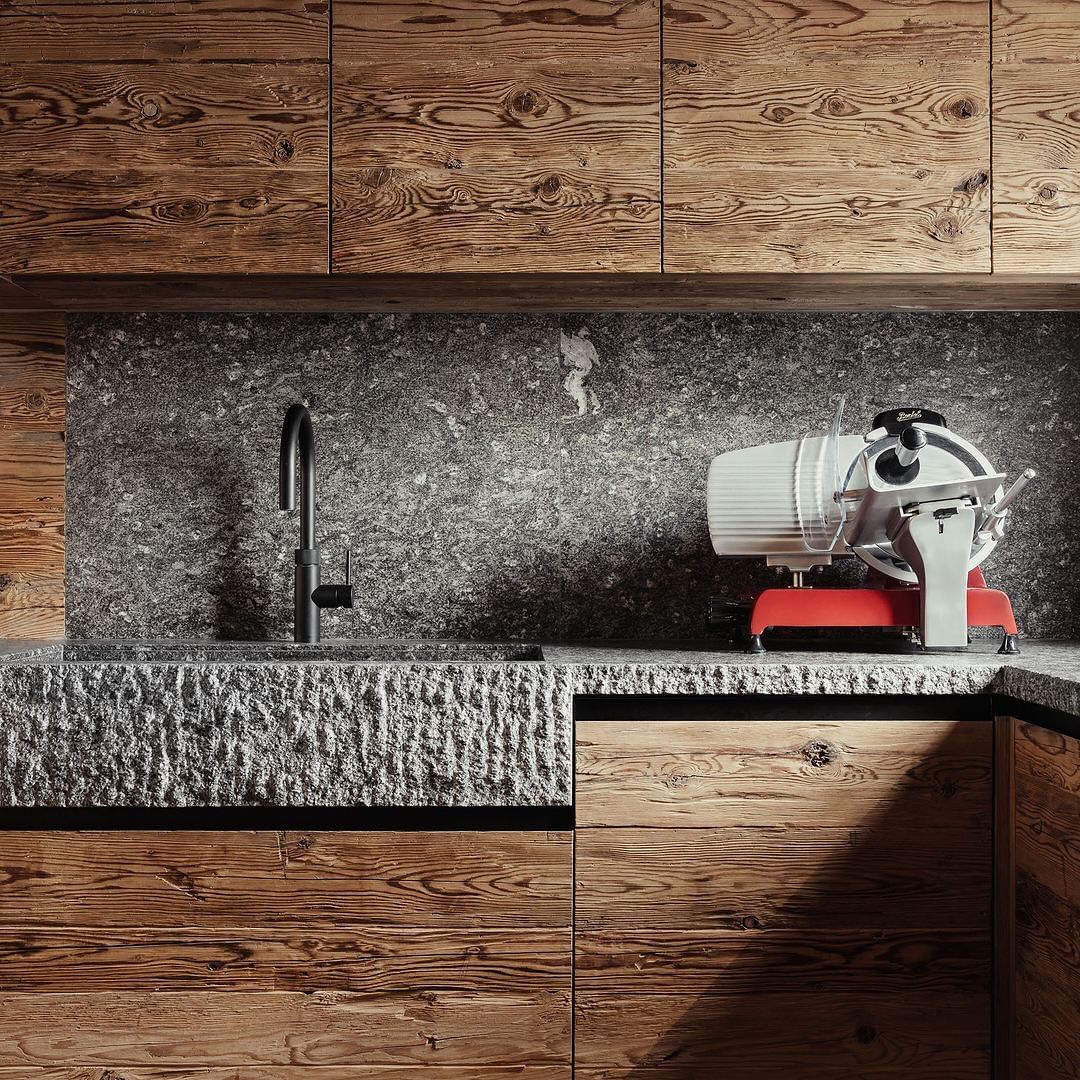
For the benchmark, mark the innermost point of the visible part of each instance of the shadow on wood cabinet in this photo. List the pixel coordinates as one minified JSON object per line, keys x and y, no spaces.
{"x":771,"y":909}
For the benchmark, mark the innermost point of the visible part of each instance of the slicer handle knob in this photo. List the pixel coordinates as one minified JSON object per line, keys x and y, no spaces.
{"x":909,"y":444}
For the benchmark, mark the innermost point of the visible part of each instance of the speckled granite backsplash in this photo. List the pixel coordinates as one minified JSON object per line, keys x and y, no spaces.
{"x":512,"y":476}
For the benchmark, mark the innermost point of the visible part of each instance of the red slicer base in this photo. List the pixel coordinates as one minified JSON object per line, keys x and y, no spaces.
{"x":888,"y":606}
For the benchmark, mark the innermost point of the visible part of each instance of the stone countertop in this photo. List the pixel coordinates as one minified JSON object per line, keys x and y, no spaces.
{"x":384,"y":724}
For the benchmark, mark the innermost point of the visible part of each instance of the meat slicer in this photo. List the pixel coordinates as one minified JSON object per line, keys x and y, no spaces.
{"x":916,"y":502}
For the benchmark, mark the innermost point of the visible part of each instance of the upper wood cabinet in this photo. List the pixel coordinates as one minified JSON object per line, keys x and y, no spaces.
{"x":1036,"y":136}
{"x":826,"y":136}
{"x":156,"y":136}
{"x":496,"y":135}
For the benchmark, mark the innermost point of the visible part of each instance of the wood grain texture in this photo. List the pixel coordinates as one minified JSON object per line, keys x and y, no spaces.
{"x":769,"y":898}
{"x":786,"y":961}
{"x":196,"y":220}
{"x":760,"y":878}
{"x":190,"y":1029}
{"x":31,"y":605}
{"x":496,"y":136}
{"x":363,"y":959}
{"x":169,"y":157}
{"x":1036,"y":136}
{"x":835,"y":775}
{"x":164,"y":30}
{"x":32,"y":542}
{"x":761,"y":1037}
{"x":197,"y":879}
{"x":1047,"y":931}
{"x":165,"y":116}
{"x":292,"y":1072}
{"x":31,"y":470}
{"x":32,"y":462}
{"x":1004,"y":897}
{"x":512,"y":31}
{"x":549,"y":292}
{"x":810,"y":139}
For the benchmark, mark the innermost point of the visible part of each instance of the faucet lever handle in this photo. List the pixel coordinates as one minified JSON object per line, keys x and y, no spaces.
{"x":348,"y":566}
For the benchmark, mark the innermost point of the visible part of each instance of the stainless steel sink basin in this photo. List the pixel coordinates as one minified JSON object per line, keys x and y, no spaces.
{"x":339,"y":652}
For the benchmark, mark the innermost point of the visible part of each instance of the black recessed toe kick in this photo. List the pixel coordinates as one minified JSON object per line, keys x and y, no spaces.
{"x":310,"y":596}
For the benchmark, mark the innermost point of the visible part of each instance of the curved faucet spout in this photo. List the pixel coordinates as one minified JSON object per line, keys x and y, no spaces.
{"x":296,"y":434}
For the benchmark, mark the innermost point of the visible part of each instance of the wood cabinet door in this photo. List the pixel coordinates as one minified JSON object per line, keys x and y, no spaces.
{"x":1036,"y":136}
{"x":156,"y":137}
{"x":763,"y":900}
{"x":1046,"y":963}
{"x":826,"y":136}
{"x":496,"y":135}
{"x":282,"y":955}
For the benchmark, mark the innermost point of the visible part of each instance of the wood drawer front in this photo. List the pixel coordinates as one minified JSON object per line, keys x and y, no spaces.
{"x":272,"y":951}
{"x":772,"y":898}
{"x":480,"y":136}
{"x":797,"y":140}
{"x":163,"y":137}
{"x":1047,"y":838}
{"x":813,"y":773}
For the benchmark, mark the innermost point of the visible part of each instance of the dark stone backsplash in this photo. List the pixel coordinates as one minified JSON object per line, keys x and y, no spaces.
{"x":535,"y":476}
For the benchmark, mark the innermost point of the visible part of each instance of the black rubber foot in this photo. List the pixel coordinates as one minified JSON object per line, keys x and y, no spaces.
{"x":755,"y":645}
{"x":1010,"y":645}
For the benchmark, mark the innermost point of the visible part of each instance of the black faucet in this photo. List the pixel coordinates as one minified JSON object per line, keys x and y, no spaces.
{"x":309,"y":596}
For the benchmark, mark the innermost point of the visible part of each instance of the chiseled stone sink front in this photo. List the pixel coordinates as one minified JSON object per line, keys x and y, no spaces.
{"x":340,"y":724}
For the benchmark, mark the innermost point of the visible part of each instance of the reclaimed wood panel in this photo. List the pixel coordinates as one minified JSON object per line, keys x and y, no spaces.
{"x":876,"y":876}
{"x":162,"y":117}
{"x":293,"y":1072}
{"x":493,"y":136}
{"x":172,"y":157}
{"x":363,"y":959}
{"x":195,"y":220}
{"x":32,"y":463}
{"x":762,"y":1037}
{"x":759,"y":898}
{"x":1047,"y":902}
{"x":164,"y":30}
{"x":832,"y":774}
{"x":1036,"y":136}
{"x":31,"y":604}
{"x":234,"y":879}
{"x":550,"y":292}
{"x":786,"y":961}
{"x":810,"y":139}
{"x":279,"y":955}
{"x":193,"y":1029}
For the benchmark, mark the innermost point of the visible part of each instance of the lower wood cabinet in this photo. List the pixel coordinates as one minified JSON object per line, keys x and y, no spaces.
{"x":263,"y":956}
{"x":804,"y":898}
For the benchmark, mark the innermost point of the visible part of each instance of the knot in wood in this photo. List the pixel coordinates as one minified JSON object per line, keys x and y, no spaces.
{"x":376,"y":178}
{"x":972,"y":184}
{"x":454,"y":162}
{"x":284,"y":150}
{"x":35,"y":400}
{"x":820,"y":752}
{"x":150,"y":109}
{"x":1048,"y":192}
{"x":778,"y":113}
{"x":677,"y":780}
{"x":946,"y":227}
{"x":961,"y":109}
{"x":549,"y":186}
{"x":864,"y":1033}
{"x":526,"y":103}
{"x":304,"y":843}
{"x":190,"y":209}
{"x":750,"y":922}
{"x":835,"y":105}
